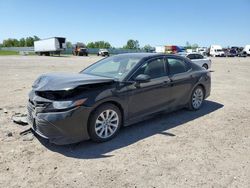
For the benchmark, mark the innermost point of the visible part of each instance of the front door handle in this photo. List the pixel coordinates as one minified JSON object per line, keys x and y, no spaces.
{"x":166,"y":83}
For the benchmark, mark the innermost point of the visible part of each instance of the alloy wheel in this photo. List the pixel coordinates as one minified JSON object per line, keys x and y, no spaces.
{"x":106,"y":124}
{"x":197,"y":98}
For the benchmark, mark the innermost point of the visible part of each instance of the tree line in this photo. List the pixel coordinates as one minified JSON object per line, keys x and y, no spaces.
{"x":131,"y":44}
{"x":29,"y":42}
{"x":23,"y":42}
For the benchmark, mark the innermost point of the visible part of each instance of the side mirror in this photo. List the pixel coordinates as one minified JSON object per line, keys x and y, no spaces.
{"x":142,"y":78}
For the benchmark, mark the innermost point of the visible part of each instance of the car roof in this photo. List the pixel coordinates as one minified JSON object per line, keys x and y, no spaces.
{"x":147,"y":55}
{"x":187,"y":53}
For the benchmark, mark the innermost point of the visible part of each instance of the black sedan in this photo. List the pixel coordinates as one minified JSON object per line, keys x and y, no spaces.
{"x":115,"y":91}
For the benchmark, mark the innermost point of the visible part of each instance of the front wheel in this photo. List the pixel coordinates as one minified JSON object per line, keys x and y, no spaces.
{"x":105,"y":123}
{"x":197,"y":98}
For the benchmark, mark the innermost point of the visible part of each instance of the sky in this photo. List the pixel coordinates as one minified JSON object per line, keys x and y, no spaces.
{"x":154,"y":22}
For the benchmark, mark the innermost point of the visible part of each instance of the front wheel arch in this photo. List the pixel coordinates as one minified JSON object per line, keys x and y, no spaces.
{"x":93,"y":114}
{"x":118,"y":105}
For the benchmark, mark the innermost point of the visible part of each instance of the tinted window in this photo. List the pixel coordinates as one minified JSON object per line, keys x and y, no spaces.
{"x":154,"y":68}
{"x":176,"y":66}
{"x":191,"y":56}
{"x":199,"y":56}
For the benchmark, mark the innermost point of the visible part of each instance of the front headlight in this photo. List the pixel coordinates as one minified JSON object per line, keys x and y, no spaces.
{"x":68,"y":104}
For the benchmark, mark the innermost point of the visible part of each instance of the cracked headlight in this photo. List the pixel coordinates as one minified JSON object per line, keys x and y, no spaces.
{"x":68,"y":104}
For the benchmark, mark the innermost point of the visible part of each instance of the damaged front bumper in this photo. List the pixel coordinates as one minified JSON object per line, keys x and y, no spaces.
{"x":62,"y":127}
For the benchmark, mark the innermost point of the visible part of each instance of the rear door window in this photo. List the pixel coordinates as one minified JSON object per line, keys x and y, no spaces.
{"x":154,"y":68}
{"x":177,"y":66}
{"x":198,"y":56}
{"x":191,"y":56}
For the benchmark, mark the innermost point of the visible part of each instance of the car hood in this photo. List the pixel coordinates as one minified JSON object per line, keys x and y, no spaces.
{"x":66,"y":81}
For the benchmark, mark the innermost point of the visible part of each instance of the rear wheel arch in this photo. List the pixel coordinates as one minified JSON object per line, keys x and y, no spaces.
{"x":196,"y":85}
{"x":190,"y":104}
{"x":205,"y":65}
{"x":203,"y":88}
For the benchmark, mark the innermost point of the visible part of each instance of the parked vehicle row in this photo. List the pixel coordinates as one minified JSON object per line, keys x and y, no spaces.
{"x":56,"y":45}
{"x":218,"y":51}
{"x":83,"y":51}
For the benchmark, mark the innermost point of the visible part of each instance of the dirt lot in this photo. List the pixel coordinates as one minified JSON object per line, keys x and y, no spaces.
{"x":207,"y":148}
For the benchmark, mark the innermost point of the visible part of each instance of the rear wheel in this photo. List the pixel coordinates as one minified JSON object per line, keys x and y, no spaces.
{"x":205,"y":66}
{"x":197,"y":98}
{"x":105,"y":123}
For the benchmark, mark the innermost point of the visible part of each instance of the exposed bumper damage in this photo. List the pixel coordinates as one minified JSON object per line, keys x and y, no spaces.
{"x":64,"y":127}
{"x":56,"y":107}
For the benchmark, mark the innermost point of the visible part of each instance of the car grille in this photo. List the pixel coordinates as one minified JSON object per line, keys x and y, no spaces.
{"x":36,"y":107}
{"x":30,"y":114}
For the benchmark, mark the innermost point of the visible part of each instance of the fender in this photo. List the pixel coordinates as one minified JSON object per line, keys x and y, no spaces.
{"x":203,"y":82}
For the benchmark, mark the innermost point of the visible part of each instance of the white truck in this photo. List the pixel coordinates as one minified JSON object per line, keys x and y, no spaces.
{"x":202,"y":50}
{"x":160,"y":49}
{"x":247,"y":49}
{"x":216,"y":51}
{"x":50,"y":46}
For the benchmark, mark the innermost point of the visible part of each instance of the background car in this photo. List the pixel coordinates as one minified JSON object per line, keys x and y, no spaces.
{"x":83,"y":52}
{"x":113,"y":92}
{"x":103,"y":52}
{"x":242,"y":54}
{"x":80,"y":49}
{"x":231,"y":53}
{"x":198,"y":59}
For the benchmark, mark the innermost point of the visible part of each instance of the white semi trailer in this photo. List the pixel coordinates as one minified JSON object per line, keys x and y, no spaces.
{"x":50,"y":46}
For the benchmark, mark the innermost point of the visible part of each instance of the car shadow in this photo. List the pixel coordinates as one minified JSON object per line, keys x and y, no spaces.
{"x":159,"y":124}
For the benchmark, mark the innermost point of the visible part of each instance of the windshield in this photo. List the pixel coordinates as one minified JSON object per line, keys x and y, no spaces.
{"x":114,"y":67}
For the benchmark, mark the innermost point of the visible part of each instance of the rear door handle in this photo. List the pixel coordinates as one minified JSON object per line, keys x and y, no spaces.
{"x":171,"y":82}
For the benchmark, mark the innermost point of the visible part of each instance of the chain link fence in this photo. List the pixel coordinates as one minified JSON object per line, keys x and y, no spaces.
{"x":69,"y":50}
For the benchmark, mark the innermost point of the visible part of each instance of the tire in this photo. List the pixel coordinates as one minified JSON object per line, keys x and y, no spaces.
{"x":196,"y":99}
{"x":101,"y":126}
{"x":205,"y":66}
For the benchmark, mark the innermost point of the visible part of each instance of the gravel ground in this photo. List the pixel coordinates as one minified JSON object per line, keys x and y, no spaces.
{"x":207,"y":148}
